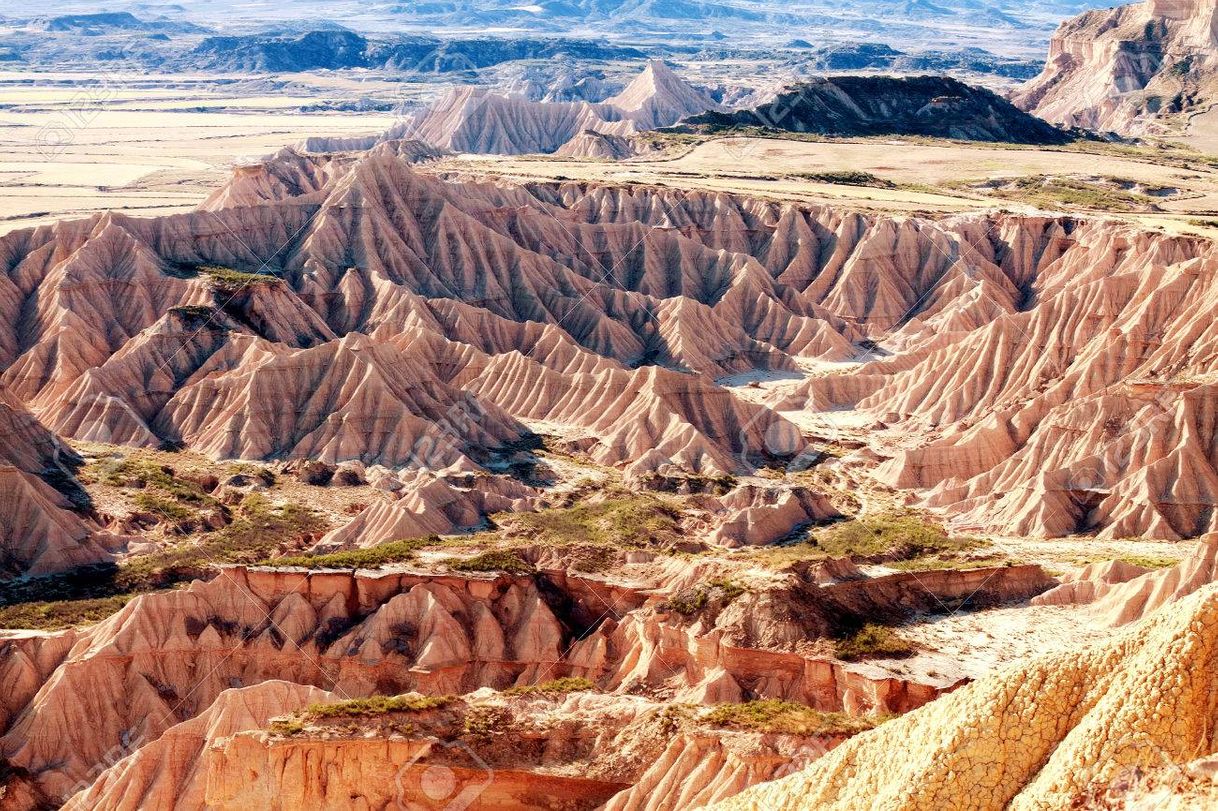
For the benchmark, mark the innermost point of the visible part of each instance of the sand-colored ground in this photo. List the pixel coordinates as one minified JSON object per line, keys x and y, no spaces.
{"x":73,"y":145}
{"x":923,"y":173}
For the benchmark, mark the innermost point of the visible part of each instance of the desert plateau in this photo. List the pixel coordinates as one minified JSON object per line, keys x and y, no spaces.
{"x":635,"y":405}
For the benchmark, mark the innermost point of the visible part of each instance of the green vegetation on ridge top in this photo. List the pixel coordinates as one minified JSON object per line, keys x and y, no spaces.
{"x":785,"y":717}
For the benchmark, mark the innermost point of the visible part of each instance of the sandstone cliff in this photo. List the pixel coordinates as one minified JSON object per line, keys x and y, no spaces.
{"x":1039,"y":736}
{"x":1128,"y":69}
{"x":168,"y":657}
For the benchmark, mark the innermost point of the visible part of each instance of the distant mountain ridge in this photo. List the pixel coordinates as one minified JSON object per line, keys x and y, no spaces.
{"x":336,"y":49}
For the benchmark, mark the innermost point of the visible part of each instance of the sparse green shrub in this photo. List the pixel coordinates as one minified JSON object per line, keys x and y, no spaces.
{"x":693,"y":600}
{"x":287,"y":727}
{"x":494,"y":560}
{"x":566,"y":684}
{"x":873,"y":641}
{"x":164,"y":508}
{"x":379,"y":555}
{"x":257,"y":529}
{"x":785,"y":717}
{"x":143,"y":474}
{"x":621,"y":519}
{"x":846,"y":177}
{"x":378,"y":705}
{"x":889,"y":535}
{"x":56,"y":614}
{"x":228,"y":280}
{"x":484,"y":721}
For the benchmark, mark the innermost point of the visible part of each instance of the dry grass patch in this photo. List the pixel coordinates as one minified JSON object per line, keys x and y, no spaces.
{"x":567,"y":684}
{"x":379,"y":555}
{"x":58,"y":614}
{"x":378,"y":705}
{"x":785,"y":717}
{"x":493,"y":560}
{"x":616,"y":518}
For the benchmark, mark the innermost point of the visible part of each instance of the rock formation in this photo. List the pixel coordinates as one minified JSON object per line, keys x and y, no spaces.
{"x":599,"y":751}
{"x":428,"y":506}
{"x":45,"y":521}
{"x":341,"y":282}
{"x":1119,"y":594}
{"x":600,"y":145}
{"x":166,"y":658}
{"x":473,"y":119}
{"x":935,"y":106}
{"x":1042,"y":735}
{"x":1129,"y":68}
{"x":172,"y":771}
{"x":658,"y":97}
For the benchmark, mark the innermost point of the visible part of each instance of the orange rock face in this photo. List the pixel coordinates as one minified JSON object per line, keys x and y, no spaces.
{"x":1021,"y":375}
{"x":151,"y":672}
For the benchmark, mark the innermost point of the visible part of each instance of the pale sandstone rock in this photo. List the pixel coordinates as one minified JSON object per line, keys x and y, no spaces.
{"x":1036,"y":736}
{"x":1106,"y":67}
{"x":473,"y":119}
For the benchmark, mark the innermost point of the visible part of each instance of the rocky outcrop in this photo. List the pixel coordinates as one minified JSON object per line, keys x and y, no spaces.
{"x":935,"y":106}
{"x":167,"y":657}
{"x":473,"y":119}
{"x":1036,"y":375}
{"x":758,"y":517}
{"x":39,"y":531}
{"x":598,"y":145}
{"x":590,"y":750}
{"x":658,"y":97}
{"x":1038,"y":736}
{"x":429,"y":506}
{"x":1127,"y":69}
{"x":1118,"y":594}
{"x":1049,"y":442}
{"x":45,"y":519}
{"x":172,"y":771}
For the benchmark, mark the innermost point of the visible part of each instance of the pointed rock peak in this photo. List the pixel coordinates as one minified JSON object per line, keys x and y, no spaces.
{"x":656,"y":80}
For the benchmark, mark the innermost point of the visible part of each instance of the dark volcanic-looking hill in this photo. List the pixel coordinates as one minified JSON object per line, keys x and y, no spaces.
{"x":935,"y":106}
